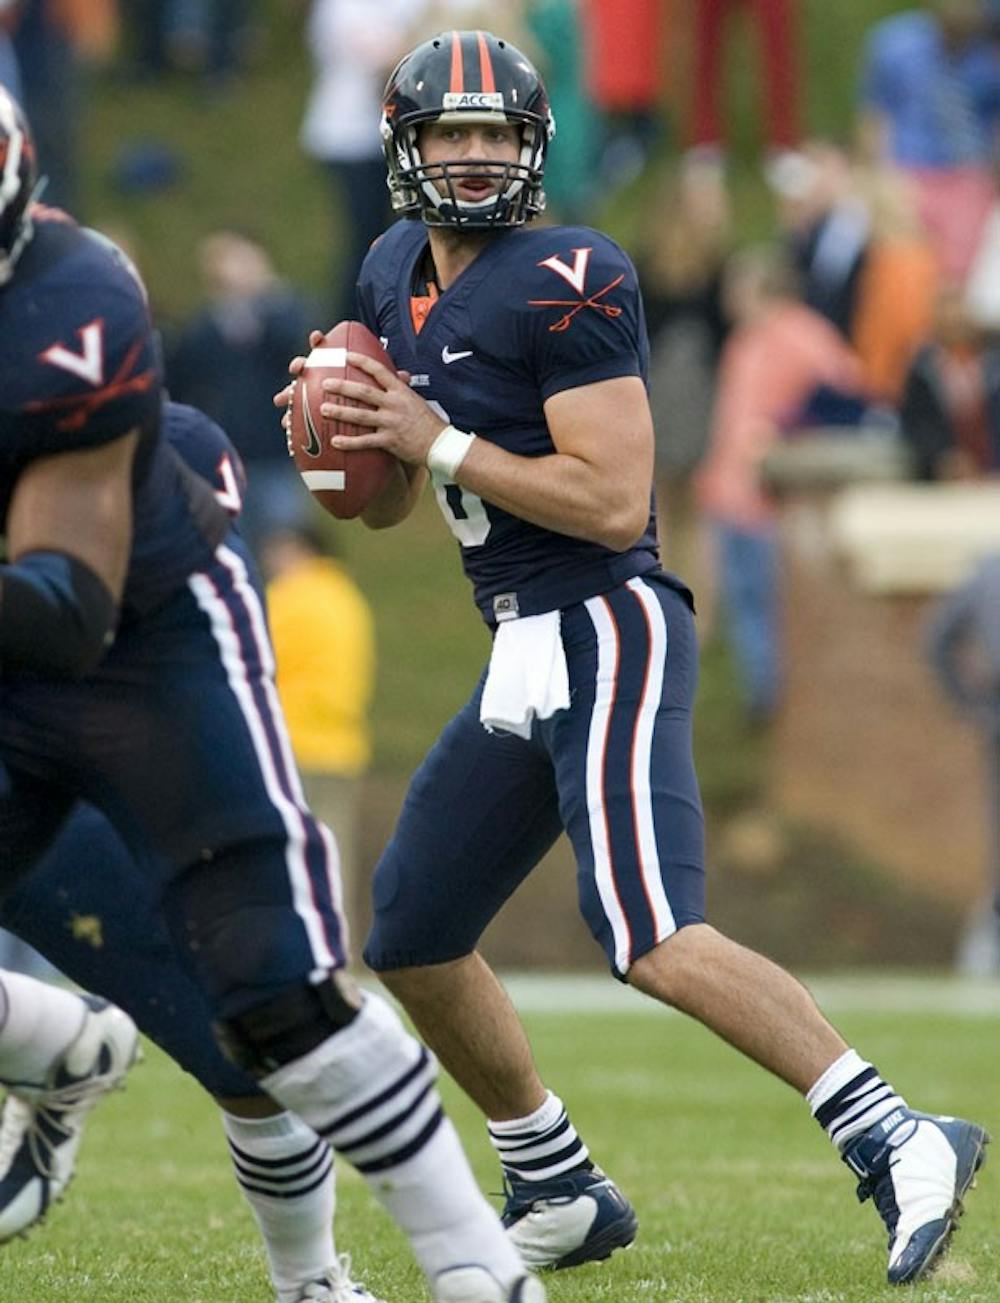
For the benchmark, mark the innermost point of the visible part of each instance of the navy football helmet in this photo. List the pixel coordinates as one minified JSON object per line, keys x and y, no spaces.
{"x":17,"y":183}
{"x":467,"y":77}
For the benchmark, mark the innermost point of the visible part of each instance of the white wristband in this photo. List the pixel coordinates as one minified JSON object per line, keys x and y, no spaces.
{"x":448,"y":450}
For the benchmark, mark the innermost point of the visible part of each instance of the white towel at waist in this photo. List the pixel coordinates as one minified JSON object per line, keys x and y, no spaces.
{"x":527,"y":675}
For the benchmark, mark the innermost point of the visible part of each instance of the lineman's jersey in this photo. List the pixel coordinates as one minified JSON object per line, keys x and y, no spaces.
{"x":539,"y":311}
{"x":79,"y":368}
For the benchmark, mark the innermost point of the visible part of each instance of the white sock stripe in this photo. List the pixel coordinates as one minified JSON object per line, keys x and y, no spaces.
{"x":839,"y":1074}
{"x":530,"y":1135}
{"x":844,"y":1128}
{"x":298,"y":1190}
{"x":237,"y":671}
{"x":396,"y":1134}
{"x":391,"y":1118}
{"x":527,"y":1163}
{"x":861,"y":1103}
{"x":550,"y":1112}
{"x":304,"y":1159}
{"x":515,"y":1155}
{"x":385,"y":1107}
{"x":608,"y":653}
{"x":557,"y":1168}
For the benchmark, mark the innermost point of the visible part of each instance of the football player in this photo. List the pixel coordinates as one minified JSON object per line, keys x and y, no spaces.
{"x":135,"y":674}
{"x":523,"y":400}
{"x":91,"y":908}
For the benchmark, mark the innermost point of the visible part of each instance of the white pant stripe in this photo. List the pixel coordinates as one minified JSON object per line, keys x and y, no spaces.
{"x":604,"y":695}
{"x":642,"y":760}
{"x":225,"y":634}
{"x":237,"y":567}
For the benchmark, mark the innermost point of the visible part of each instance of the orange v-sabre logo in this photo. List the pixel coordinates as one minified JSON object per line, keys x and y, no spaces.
{"x":575,"y":276}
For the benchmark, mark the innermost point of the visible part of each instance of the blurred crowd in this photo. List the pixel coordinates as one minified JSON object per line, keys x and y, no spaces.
{"x":875,"y":303}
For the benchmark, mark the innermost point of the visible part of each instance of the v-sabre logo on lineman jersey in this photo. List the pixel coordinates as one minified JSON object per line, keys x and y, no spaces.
{"x":447,"y":356}
{"x":88,"y":364}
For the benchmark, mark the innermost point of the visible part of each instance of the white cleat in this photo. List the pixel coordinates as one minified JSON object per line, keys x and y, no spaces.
{"x":917,"y":1168}
{"x":41,"y":1126}
{"x":477,"y":1285}
{"x":336,"y":1287}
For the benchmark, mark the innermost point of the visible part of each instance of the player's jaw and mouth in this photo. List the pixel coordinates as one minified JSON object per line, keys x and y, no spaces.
{"x":473,"y":182}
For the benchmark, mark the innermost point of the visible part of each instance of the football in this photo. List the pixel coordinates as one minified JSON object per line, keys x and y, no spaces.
{"x":342,"y":482}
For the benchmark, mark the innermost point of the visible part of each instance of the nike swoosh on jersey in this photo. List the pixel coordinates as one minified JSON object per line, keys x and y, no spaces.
{"x":447,"y":356}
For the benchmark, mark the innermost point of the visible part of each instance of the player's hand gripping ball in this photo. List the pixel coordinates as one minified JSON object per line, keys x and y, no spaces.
{"x":342,"y":482}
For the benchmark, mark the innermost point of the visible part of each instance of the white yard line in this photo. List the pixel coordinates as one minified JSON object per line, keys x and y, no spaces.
{"x":897,"y":993}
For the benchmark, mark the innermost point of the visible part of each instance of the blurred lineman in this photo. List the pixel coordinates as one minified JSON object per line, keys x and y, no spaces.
{"x":319,"y":617}
{"x":92,"y":909}
{"x":535,"y":339}
{"x":136,"y":673}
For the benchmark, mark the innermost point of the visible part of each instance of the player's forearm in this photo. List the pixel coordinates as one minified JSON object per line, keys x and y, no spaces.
{"x":560,"y":492}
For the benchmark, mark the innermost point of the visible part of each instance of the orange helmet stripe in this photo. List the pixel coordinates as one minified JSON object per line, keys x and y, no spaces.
{"x":485,"y":64}
{"x":457,"y":79}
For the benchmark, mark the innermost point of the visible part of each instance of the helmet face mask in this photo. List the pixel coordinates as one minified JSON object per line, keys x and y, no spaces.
{"x":17,"y":184}
{"x":466,"y":78}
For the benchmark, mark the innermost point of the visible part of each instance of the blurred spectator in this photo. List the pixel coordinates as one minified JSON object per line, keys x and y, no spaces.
{"x":570,"y":178}
{"x":354,"y":46}
{"x":232,"y":356}
{"x":208,"y":37}
{"x":862,"y":258}
{"x":624,"y":47}
{"x":680,"y":270}
{"x":324,"y":645}
{"x":827,"y":224}
{"x":964,"y":646}
{"x":777,"y":30}
{"x":899,"y":285}
{"x":950,"y":409}
{"x":930,"y":103}
{"x":53,"y":39}
{"x":779,"y":357}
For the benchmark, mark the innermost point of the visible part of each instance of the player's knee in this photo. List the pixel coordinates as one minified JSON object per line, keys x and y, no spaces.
{"x":668,"y":970}
{"x":422,"y":984}
{"x":288,"y":1025}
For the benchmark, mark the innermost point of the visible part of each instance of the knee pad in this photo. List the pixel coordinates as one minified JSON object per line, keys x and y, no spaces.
{"x":289,"y":1025}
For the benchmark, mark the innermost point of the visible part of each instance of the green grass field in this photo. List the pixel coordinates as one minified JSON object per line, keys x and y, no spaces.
{"x":739,"y":1197}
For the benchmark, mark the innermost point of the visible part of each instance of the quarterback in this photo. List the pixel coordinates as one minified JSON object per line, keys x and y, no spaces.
{"x":521,"y":395}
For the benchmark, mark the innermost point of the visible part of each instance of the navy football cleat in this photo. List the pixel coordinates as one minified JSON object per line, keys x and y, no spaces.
{"x":917,"y":1168}
{"x":578,"y":1217}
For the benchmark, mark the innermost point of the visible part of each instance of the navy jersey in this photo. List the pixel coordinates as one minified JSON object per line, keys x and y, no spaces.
{"x":79,"y":368}
{"x":208,"y":451}
{"x":540,"y":310}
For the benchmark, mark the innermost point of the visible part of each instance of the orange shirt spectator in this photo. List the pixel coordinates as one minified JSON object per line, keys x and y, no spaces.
{"x":775,"y":359}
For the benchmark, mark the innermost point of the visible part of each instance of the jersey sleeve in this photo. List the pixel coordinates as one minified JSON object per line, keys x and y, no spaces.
{"x":87,"y":366}
{"x":581,"y":320}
